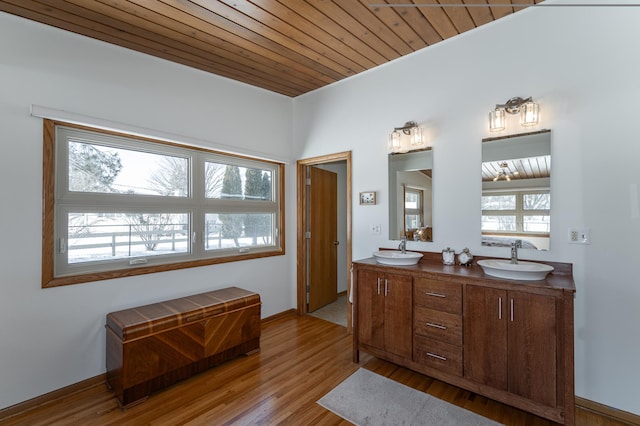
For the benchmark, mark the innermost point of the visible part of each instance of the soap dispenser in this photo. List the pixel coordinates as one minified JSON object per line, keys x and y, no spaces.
{"x":448,"y":256}
{"x":465,"y":257}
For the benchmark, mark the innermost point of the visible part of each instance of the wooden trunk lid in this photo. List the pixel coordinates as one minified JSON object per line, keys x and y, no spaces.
{"x":130,"y":324}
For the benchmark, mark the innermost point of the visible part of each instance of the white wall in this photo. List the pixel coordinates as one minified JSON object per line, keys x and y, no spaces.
{"x":581,"y":65}
{"x":51,"y":338}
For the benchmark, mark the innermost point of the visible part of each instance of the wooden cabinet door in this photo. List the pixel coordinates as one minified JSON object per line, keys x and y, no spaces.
{"x":510,"y":342}
{"x":370,"y":308}
{"x":532,"y":340}
{"x":485,"y":336}
{"x":398,"y":319}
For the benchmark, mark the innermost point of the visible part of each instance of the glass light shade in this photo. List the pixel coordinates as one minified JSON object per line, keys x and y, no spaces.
{"x":394,"y":142}
{"x":529,"y":114}
{"x":417,"y":139}
{"x":497,"y":120}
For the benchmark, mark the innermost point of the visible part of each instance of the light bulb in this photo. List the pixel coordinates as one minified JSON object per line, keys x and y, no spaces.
{"x":416,"y":136}
{"x":394,"y":142}
{"x":497,"y":120}
{"x":529,"y":114}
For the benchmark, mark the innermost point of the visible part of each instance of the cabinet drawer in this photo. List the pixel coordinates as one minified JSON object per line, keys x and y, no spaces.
{"x":443,"y":356}
{"x":438,"y":325}
{"x":439,"y":295}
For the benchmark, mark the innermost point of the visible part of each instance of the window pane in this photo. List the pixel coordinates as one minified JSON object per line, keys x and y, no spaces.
{"x":412,"y":200}
{"x":412,"y":221}
{"x":539,"y":223}
{"x":498,"y":202}
{"x":226,"y":181}
{"x":536,"y":201}
{"x":103,"y":169}
{"x":498,"y":223}
{"x":224,"y":231}
{"x":110,"y":236}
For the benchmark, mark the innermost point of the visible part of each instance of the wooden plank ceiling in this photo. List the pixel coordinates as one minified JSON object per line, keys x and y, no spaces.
{"x":519,"y":168}
{"x":285,"y":46}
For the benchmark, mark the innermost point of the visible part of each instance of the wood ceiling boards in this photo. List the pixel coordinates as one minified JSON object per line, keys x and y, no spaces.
{"x":287,"y":46}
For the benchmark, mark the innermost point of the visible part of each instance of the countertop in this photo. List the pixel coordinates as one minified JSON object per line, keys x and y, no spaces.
{"x":431,"y":264}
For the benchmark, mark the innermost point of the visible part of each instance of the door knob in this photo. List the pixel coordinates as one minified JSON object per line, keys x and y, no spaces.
{"x":335,"y":243}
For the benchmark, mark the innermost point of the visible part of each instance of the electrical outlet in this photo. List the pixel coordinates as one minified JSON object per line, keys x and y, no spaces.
{"x":579,"y":236}
{"x":376,"y":229}
{"x":573,"y":235}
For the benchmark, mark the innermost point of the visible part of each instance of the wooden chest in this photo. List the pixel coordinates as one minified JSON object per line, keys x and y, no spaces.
{"x":153,"y":346}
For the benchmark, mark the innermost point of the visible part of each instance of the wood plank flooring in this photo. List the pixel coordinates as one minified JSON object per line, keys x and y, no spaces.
{"x":301,"y":359}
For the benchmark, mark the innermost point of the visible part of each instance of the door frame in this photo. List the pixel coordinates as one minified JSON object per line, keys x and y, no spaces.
{"x":301,"y":208}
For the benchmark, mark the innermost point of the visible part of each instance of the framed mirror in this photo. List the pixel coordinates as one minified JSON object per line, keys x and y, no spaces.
{"x":516,"y":190}
{"x":410,"y":195}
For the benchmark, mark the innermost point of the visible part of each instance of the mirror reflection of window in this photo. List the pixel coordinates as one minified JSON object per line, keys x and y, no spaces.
{"x":537,"y":206}
{"x":413,"y":208}
{"x":519,"y":214}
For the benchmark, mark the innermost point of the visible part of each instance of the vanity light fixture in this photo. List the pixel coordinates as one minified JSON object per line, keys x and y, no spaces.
{"x":406,"y":138}
{"x":526,"y":107}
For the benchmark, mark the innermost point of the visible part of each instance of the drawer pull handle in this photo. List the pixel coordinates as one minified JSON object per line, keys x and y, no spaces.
{"x":441,"y":358}
{"x":441,"y":327}
{"x":428,"y":293}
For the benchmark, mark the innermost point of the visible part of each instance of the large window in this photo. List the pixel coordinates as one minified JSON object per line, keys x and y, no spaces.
{"x":117,"y":205}
{"x":516,"y":212}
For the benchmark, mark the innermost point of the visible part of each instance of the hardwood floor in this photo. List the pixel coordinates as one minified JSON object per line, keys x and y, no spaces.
{"x":301,"y":359}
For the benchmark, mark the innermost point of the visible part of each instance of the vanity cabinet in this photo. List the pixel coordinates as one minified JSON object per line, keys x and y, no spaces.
{"x":511,"y":341}
{"x":384,"y":320}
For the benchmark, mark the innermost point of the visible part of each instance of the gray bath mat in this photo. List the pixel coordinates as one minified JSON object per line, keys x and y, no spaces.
{"x":368,"y":399}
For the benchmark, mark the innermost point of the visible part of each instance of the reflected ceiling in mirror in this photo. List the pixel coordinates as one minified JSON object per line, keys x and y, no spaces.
{"x":516,"y":190}
{"x":410,"y":195}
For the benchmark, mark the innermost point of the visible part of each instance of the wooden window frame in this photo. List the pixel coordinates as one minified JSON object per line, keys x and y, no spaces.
{"x":49,"y":207}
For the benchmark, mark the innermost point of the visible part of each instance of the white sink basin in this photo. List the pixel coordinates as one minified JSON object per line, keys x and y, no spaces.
{"x":525,"y":271}
{"x":396,"y":257}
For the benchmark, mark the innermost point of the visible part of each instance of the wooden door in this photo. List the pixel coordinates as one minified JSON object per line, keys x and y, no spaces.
{"x":398,"y":319}
{"x":370,"y":308}
{"x":532,"y":347}
{"x":323,"y":226}
{"x":485,"y":336}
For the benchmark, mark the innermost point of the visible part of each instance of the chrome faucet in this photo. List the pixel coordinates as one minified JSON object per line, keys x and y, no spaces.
{"x":514,"y":251}
{"x":403,"y":244}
